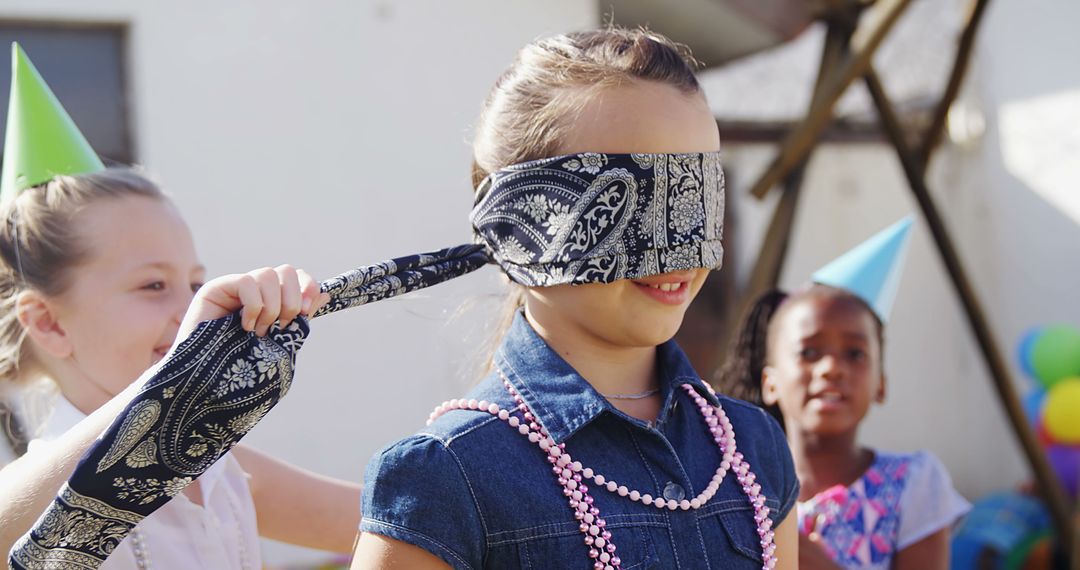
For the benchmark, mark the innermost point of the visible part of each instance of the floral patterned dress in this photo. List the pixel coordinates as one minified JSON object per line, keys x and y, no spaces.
{"x":901,"y":499}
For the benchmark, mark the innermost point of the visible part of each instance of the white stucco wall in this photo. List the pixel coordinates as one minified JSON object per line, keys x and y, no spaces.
{"x":938,"y":394}
{"x":327,"y":134}
{"x":1019,"y":242}
{"x":297,"y":131}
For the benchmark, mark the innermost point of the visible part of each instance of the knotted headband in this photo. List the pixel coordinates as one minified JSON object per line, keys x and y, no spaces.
{"x":584,"y":218}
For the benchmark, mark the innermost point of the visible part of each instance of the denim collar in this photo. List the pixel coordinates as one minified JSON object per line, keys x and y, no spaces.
{"x":563,"y":400}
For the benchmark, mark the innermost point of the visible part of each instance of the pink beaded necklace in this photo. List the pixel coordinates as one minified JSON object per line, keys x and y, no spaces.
{"x":571,"y":475}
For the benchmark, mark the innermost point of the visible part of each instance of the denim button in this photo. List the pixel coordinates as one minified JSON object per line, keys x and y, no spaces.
{"x":674,"y":492}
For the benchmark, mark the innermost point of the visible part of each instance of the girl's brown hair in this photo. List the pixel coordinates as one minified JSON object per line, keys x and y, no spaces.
{"x":534,"y":102}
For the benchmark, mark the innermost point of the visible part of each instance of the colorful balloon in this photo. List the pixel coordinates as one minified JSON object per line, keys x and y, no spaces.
{"x":1002,"y":528}
{"x":1044,"y":438}
{"x":1065,"y":459}
{"x":1033,"y":404}
{"x":1055,"y":354}
{"x":1023,"y":350}
{"x":1061,"y":412}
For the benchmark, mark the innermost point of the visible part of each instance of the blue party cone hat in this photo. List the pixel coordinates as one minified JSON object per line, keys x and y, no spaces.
{"x":872,"y":269}
{"x":41,"y":140}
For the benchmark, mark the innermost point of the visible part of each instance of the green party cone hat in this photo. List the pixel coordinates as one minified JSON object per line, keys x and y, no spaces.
{"x":41,"y":140}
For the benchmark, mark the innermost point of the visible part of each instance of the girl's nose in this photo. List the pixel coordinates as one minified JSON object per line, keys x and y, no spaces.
{"x":830,"y":367}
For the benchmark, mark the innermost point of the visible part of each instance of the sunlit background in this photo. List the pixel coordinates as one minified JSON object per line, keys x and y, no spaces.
{"x":330,"y":134}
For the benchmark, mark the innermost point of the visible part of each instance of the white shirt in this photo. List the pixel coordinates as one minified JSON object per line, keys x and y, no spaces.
{"x":222,"y":534}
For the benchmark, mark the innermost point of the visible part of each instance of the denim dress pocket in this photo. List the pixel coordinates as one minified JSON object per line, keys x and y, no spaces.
{"x":736,"y":521}
{"x":561,"y":546}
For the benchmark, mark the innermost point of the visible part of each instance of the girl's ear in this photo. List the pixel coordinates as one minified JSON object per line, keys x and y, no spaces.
{"x":880,"y":396}
{"x":38,"y":318}
{"x":769,"y":390}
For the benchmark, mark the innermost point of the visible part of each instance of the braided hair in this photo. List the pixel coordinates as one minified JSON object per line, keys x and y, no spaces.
{"x":740,"y":376}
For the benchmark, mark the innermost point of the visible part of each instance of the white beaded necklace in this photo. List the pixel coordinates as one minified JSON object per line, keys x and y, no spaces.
{"x":570,"y":475}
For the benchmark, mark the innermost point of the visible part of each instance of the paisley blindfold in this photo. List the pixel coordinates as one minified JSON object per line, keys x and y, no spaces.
{"x":581,"y":218}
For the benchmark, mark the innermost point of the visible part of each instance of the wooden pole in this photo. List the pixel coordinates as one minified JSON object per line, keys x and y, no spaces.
{"x":770,"y":261}
{"x":1055,"y":495}
{"x":799,"y":143}
{"x":1075,"y":562}
{"x":964,"y":49}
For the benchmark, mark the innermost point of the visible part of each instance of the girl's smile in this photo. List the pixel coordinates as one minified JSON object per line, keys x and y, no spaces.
{"x":669,"y":288}
{"x":827,"y":401}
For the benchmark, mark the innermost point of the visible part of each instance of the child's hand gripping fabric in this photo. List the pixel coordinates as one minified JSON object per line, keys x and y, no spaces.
{"x":240,"y":337}
{"x":263,"y":297}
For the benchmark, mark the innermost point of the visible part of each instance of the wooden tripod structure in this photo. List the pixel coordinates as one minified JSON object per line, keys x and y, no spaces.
{"x":850,"y":43}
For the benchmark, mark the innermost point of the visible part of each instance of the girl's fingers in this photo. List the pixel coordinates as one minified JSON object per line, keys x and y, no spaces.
{"x":251,"y":301}
{"x":320,"y":302}
{"x":817,"y":526}
{"x":313,"y":298}
{"x":270,"y":289}
{"x":262,"y":296}
{"x":291,"y":296}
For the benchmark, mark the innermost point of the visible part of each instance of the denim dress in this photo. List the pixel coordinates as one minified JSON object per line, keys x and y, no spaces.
{"x":476,"y":493}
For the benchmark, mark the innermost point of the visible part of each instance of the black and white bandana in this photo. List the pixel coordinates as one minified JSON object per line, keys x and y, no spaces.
{"x":583,"y":218}
{"x":598,"y":218}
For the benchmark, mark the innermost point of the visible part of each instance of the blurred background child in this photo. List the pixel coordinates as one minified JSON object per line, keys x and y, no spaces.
{"x":814,"y":359}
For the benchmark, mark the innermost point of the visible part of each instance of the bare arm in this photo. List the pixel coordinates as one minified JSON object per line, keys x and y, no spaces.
{"x":787,"y":544}
{"x":930,"y":553}
{"x":377,"y":552}
{"x":324,"y":515}
{"x":29,"y":484}
{"x":813,"y":557}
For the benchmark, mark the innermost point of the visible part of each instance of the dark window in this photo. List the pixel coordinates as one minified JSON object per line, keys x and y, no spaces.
{"x":84,"y":66}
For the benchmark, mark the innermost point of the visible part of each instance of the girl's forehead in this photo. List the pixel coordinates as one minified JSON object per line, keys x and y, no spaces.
{"x":132,"y":232}
{"x":814,"y":313}
{"x":642,"y":117}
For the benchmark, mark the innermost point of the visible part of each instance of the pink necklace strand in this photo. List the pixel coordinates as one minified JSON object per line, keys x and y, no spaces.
{"x":571,"y":475}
